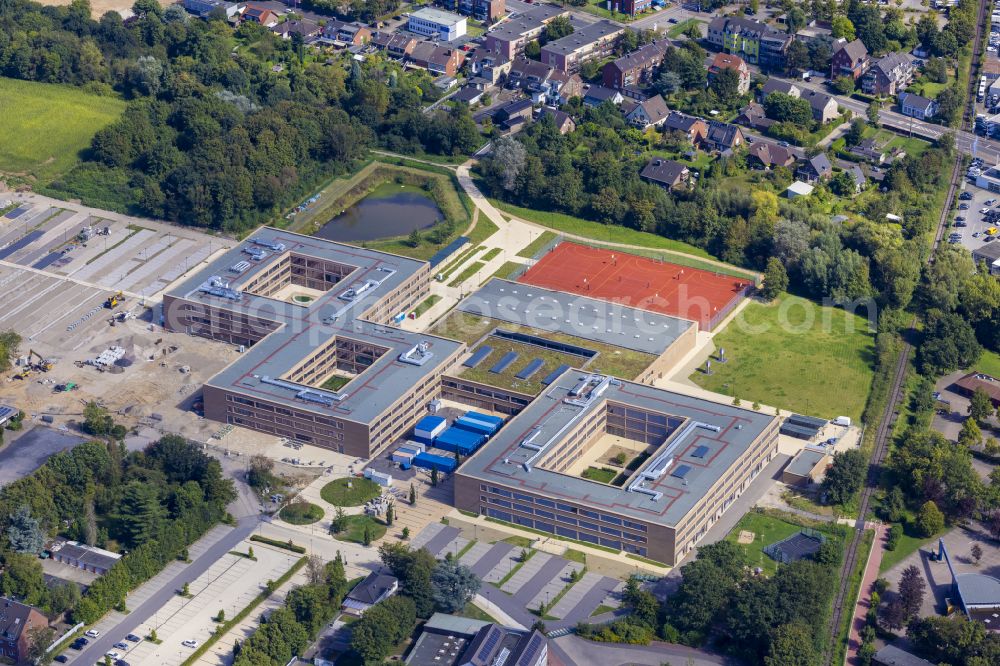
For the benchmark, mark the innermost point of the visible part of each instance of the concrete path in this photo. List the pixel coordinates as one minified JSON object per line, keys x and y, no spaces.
{"x":863,"y":602}
{"x":497,"y":554}
{"x":556,"y":584}
{"x":543,"y":575}
{"x":576,"y":594}
{"x":474,"y":554}
{"x":572,"y":650}
{"x":526,"y":572}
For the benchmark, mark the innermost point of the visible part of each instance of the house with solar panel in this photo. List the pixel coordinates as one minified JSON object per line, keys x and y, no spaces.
{"x":448,"y":640}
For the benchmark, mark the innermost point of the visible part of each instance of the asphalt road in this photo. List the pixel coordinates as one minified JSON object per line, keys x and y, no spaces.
{"x":94,"y":652}
{"x":30,"y":451}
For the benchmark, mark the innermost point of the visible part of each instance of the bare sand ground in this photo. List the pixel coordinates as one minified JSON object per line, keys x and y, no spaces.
{"x":100,"y":7}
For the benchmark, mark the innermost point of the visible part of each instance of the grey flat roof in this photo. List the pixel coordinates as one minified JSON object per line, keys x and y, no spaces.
{"x":501,"y":460}
{"x":978,"y":589}
{"x":438,"y":16}
{"x":804,"y":461}
{"x":891,"y":655}
{"x":586,"y":318}
{"x":581,"y":36}
{"x":532,"y":19}
{"x":303,"y":331}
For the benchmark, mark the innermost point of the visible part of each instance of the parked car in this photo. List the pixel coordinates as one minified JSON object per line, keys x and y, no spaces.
{"x":963,"y":206}
{"x":190,"y":643}
{"x":61,"y":659}
{"x":92,"y":633}
{"x":121,"y":645}
{"x":133,"y":638}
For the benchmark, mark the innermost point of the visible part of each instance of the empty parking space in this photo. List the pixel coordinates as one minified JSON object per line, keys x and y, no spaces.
{"x":472,"y":556}
{"x":525,"y":573}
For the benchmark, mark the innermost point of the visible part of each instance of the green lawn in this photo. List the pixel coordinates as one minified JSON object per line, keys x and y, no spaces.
{"x":355,"y":532}
{"x":492,"y":252}
{"x":45,"y":126}
{"x":338,"y":494}
{"x":475,"y":612}
{"x":767,"y":530}
{"x":676,"y":31}
{"x":600,"y":474}
{"x":426,"y":305}
{"x":335,"y":383}
{"x":599,"y":232}
{"x":301,"y":513}
{"x":534,"y":246}
{"x":796,"y":355}
{"x":988,"y":363}
{"x":467,"y":273}
{"x":507,"y":269}
{"x":907,"y":545}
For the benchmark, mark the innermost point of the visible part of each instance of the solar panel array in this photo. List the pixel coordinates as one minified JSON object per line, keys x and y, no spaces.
{"x":478,"y":357}
{"x":681,"y":471}
{"x":699,"y":452}
{"x":504,"y":362}
{"x":552,"y":376}
{"x":530,"y":369}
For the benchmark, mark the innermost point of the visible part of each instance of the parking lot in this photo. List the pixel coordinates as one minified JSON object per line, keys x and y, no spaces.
{"x":229,"y":585}
{"x":973,"y":235}
{"x":102,"y":249}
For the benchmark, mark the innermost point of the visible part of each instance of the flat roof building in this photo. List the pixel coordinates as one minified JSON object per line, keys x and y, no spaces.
{"x":312,"y":313}
{"x":448,"y":640}
{"x":806,"y":466}
{"x":593,"y":41}
{"x":508,"y":38}
{"x":691,"y":459}
{"x":89,"y":558}
{"x":436,"y":24}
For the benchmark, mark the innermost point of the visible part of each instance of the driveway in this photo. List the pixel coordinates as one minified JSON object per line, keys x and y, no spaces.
{"x":30,"y":451}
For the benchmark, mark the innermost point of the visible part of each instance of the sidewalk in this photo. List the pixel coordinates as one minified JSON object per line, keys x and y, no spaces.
{"x":863,"y":602}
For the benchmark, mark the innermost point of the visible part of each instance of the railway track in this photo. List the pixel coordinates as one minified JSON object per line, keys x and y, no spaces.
{"x":888,"y":420}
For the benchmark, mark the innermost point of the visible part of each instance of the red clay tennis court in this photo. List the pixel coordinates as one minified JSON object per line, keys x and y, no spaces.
{"x":679,"y":291}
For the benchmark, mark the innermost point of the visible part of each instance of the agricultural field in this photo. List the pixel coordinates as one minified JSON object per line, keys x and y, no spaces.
{"x":796,"y":355}
{"x":45,"y":126}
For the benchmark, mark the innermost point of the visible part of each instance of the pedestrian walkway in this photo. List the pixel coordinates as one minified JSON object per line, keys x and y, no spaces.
{"x":864,"y":600}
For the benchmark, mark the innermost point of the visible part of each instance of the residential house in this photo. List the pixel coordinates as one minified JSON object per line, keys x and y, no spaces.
{"x":202,"y":8}
{"x":734,"y":62}
{"x":916,"y":106}
{"x":635,"y":68}
{"x":470,"y":95}
{"x":888,"y":75}
{"x":374,"y":588}
{"x":770,"y":155}
{"x":448,"y":640}
{"x":650,"y":113}
{"x":755,"y":42}
{"x":562,"y":86}
{"x":722,"y":137}
{"x":396,"y":45}
{"x":513,"y":114}
{"x":597,"y":95}
{"x":635,"y":94}
{"x":508,"y":38}
{"x":261,"y":15}
{"x":668,"y":174}
{"x":849,"y":59}
{"x":436,"y":59}
{"x":858,"y":176}
{"x":815,"y":169}
{"x":631,"y":7}
{"x":349,"y":34}
{"x":527,"y":74}
{"x":563,"y":121}
{"x":16,"y":622}
{"x":436,"y":24}
{"x":867,"y":149}
{"x":489,"y":67}
{"x":694,"y":127}
{"x":824,"y":107}
{"x":309,"y":30}
{"x":753,"y":116}
{"x":773,"y":85}
{"x":488,"y":11}
{"x":591,"y":42}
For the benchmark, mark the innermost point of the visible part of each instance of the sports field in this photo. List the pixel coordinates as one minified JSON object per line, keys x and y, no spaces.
{"x":640,"y":282}
{"x":796,"y":355}
{"x":45,"y":126}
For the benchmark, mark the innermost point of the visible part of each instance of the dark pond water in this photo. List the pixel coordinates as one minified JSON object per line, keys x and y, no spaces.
{"x":388,"y":211}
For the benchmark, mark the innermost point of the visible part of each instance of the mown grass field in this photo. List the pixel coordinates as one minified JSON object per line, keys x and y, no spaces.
{"x":45,"y":126}
{"x":796,"y":355}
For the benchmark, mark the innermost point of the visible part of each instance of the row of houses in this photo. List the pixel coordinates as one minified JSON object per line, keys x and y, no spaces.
{"x":824,"y":107}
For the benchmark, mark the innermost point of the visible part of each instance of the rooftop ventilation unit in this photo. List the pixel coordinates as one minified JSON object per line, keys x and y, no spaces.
{"x":357,"y":291}
{"x":216,"y":286}
{"x":239,"y":267}
{"x":270,"y":245}
{"x":256,"y":253}
{"x":319,"y":396}
{"x":418,"y":354}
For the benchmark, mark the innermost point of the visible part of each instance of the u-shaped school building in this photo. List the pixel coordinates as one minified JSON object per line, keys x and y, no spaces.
{"x":324,"y":362}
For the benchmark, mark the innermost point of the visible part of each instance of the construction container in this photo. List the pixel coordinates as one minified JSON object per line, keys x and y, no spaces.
{"x":402,"y":455}
{"x":431,"y":461}
{"x":457,"y":440}
{"x":381,"y":478}
{"x":419,"y":447}
{"x":428,"y":428}
{"x":488,"y":418}
{"x":478,"y":427}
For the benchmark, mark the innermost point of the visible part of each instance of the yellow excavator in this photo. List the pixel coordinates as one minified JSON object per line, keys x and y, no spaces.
{"x":114,"y":300}
{"x":43,"y":364}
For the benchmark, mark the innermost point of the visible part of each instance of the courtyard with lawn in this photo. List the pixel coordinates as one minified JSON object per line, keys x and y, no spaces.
{"x":46,"y":126}
{"x":796,"y":355}
{"x":351,"y":491}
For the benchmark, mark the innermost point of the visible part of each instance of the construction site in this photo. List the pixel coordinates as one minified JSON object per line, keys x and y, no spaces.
{"x":83,"y":288}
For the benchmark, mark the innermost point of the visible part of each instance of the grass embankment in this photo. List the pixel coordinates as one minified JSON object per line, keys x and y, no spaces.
{"x":612,"y":360}
{"x":360,"y":491}
{"x":301,"y":513}
{"x":796,"y":355}
{"x":534,"y":246}
{"x":467,"y":273}
{"x":507,"y":269}
{"x":45,"y":126}
{"x":426,"y":305}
